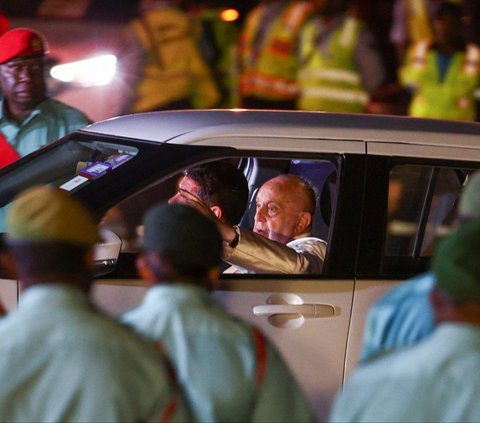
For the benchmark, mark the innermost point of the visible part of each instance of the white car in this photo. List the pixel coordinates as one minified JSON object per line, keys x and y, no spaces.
{"x":389,"y":188}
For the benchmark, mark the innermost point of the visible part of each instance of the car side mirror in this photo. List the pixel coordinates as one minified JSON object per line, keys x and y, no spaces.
{"x":106,"y":252}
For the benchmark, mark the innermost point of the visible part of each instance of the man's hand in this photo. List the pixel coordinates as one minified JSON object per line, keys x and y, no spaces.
{"x":192,"y":200}
{"x":227,"y":232}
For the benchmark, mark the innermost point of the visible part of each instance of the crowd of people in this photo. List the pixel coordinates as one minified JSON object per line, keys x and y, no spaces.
{"x":415,"y":57}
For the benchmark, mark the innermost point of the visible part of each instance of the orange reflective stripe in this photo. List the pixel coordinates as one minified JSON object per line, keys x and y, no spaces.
{"x":296,"y":15}
{"x":261,"y":348}
{"x":171,"y":406}
{"x":267,"y":85}
{"x":282,"y":48}
{"x":170,"y":409}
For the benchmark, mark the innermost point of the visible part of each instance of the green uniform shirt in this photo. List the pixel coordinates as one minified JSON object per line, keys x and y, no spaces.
{"x":49,"y":121}
{"x":434,"y":381}
{"x":62,"y":361}
{"x":226,"y":375}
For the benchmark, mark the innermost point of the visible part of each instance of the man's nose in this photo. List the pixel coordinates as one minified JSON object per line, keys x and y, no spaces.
{"x":259,"y":214}
{"x":174,"y":199}
{"x":25,"y":73}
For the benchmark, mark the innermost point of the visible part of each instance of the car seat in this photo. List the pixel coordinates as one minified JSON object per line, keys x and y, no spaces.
{"x":322,"y":176}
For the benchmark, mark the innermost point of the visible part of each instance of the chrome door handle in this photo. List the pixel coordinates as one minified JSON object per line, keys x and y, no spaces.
{"x":306,"y":310}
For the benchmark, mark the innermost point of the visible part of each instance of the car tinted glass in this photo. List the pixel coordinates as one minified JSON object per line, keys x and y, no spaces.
{"x":422,"y":205}
{"x":70,"y":165}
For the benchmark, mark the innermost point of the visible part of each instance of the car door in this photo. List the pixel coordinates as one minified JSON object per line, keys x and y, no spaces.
{"x":413,"y":192}
{"x":306,"y":316}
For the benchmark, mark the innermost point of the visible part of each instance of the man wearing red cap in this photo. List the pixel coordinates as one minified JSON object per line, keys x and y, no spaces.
{"x":30,"y":119}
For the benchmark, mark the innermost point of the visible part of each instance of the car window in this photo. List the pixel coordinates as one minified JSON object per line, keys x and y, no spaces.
{"x":125,"y":219}
{"x":70,"y":166}
{"x":422,"y":204}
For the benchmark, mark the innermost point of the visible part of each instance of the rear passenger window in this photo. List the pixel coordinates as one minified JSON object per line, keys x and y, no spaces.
{"x":422,"y":207}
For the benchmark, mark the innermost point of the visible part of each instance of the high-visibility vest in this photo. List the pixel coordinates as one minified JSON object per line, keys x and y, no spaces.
{"x":269,"y":72}
{"x":450,"y":98}
{"x":419,"y":20}
{"x":217,"y":40}
{"x":174,"y":68}
{"x":331,"y":82}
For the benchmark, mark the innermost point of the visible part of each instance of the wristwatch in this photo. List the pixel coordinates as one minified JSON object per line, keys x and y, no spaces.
{"x":235,"y":240}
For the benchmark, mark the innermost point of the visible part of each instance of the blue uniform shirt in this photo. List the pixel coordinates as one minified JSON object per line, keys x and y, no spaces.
{"x":403,"y":316}
{"x":226,"y":376}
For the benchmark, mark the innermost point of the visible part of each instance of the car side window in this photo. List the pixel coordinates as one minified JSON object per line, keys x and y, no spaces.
{"x":422,"y":206}
{"x":125,"y":219}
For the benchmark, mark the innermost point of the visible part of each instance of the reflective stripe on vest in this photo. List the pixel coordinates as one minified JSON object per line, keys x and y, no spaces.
{"x":171,"y":407}
{"x":269,"y":86}
{"x":270,"y":71}
{"x":471,"y":65}
{"x":324,"y":94}
{"x":331,"y":82}
{"x":449,"y":98}
{"x":261,"y":350}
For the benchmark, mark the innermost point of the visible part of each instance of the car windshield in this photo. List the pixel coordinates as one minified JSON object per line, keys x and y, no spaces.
{"x":70,"y":165}
{"x":99,"y":170}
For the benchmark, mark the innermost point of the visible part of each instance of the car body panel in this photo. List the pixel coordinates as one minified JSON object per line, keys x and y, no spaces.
{"x":315,"y":320}
{"x":296,"y":336}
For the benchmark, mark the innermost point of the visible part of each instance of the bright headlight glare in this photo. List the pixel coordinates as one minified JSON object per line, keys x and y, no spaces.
{"x":89,"y":72}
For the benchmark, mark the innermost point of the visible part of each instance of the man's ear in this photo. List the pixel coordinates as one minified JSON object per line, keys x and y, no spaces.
{"x":217,"y":211}
{"x":144,"y":269}
{"x":304,"y":222}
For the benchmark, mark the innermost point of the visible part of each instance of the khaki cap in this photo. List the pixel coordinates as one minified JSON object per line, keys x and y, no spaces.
{"x":43,"y":213}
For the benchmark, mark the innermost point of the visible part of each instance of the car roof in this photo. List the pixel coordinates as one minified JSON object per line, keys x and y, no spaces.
{"x":206,"y":126}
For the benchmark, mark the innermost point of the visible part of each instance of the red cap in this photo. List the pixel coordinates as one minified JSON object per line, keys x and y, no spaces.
{"x":21,"y":42}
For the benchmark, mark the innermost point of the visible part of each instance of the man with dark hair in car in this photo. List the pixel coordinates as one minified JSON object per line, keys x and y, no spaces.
{"x":30,"y":119}
{"x":219,"y":185}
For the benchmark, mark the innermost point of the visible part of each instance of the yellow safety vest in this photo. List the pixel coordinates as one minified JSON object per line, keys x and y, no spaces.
{"x":174,"y":69}
{"x":331,"y":82}
{"x":452,"y":98}
{"x":419,"y":21}
{"x":270,"y":73}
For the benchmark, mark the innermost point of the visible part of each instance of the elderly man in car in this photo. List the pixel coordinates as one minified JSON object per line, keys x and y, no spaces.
{"x":281,"y":240}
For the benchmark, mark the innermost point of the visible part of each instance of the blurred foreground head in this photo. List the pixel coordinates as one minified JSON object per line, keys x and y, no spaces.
{"x":51,"y":237}
{"x":180,"y":244}
{"x":456,"y":264}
